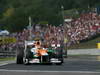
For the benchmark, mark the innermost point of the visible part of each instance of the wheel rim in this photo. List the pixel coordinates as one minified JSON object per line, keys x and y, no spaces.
{"x":25,"y":61}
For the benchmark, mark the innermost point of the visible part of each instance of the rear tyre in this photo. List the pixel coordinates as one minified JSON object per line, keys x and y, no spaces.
{"x":19,"y":56}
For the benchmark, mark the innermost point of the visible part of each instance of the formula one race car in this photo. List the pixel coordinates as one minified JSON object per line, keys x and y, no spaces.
{"x":35,"y":53}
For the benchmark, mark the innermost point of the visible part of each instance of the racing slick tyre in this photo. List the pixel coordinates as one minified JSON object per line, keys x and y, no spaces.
{"x":19,"y":56}
{"x":28,"y":56}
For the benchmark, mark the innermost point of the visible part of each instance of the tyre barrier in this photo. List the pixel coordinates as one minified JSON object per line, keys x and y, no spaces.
{"x":4,"y":54}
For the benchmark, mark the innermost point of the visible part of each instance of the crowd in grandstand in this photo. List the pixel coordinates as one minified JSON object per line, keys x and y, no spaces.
{"x":82,"y":28}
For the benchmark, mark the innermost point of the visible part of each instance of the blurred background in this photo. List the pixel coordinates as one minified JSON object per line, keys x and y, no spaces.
{"x":73,"y":23}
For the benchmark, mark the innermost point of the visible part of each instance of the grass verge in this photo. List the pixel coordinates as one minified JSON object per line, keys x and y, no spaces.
{"x":7,"y":58}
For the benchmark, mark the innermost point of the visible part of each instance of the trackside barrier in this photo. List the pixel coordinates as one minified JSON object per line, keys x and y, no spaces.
{"x":4,"y":54}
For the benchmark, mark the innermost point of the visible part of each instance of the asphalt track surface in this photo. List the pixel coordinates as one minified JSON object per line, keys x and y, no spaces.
{"x":72,"y":66}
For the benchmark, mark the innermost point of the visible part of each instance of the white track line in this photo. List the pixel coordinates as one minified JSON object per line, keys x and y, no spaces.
{"x":47,"y":71}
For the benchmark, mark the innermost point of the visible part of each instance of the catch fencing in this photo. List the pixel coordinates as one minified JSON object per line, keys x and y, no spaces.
{"x":4,"y":54}
{"x":7,"y":52}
